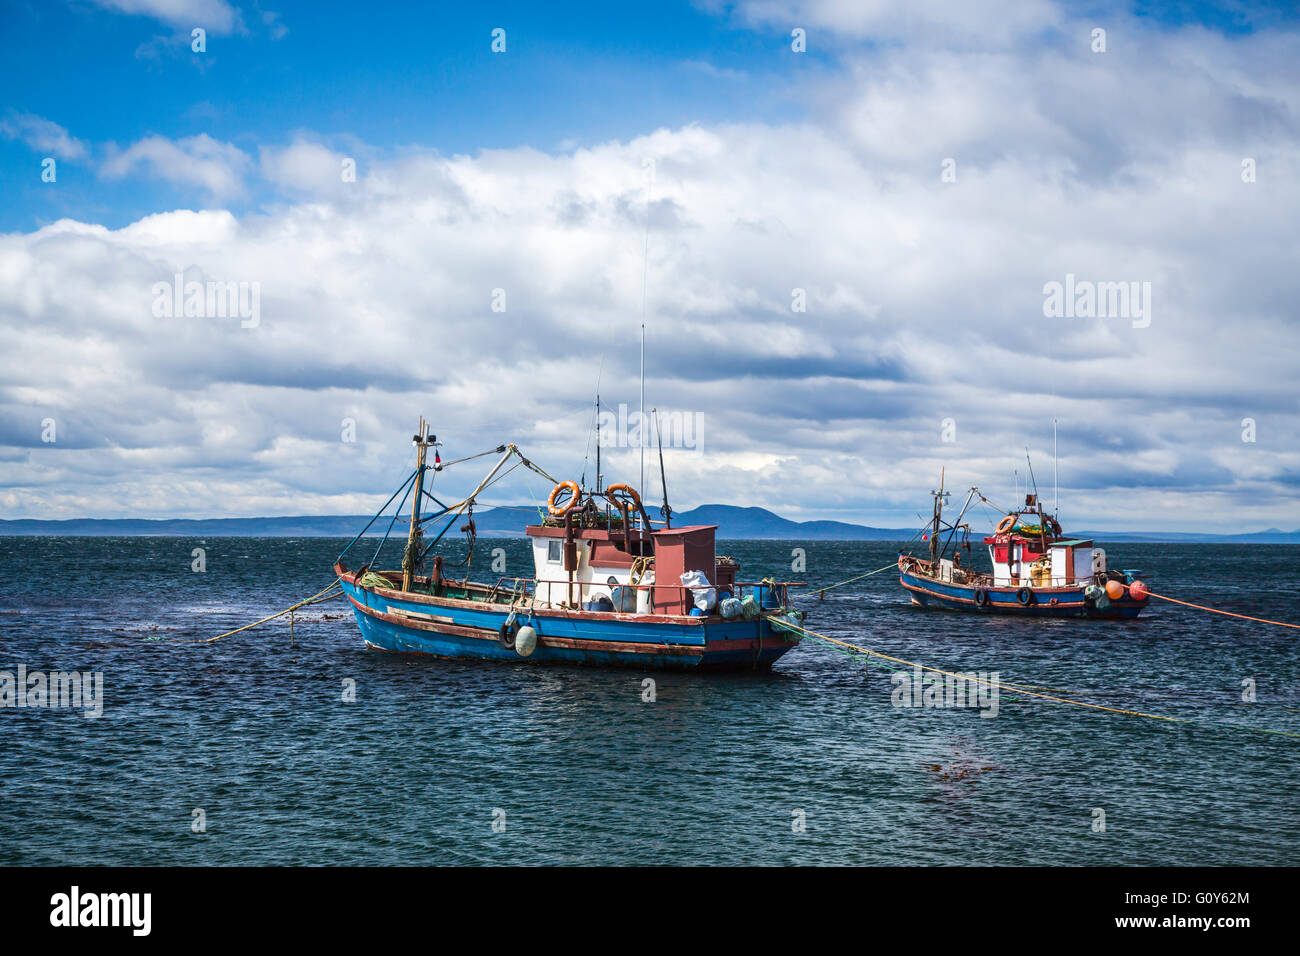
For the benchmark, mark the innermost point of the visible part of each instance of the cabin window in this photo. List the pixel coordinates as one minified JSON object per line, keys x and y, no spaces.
{"x":553,"y":547}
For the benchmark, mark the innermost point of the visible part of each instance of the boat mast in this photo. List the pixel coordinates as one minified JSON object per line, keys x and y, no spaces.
{"x":423,"y":441}
{"x":645,"y":273}
{"x":597,"y":441}
{"x":938,"y":511}
{"x":1038,"y":504}
{"x":1033,"y":481}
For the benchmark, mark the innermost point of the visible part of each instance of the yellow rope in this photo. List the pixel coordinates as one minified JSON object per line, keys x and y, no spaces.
{"x":314,"y":599}
{"x":1013,"y":687}
{"x":969,"y":677}
{"x":822,"y":591}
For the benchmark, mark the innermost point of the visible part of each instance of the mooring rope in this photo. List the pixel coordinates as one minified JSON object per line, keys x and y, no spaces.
{"x":821,"y":592}
{"x":1215,"y":610}
{"x":322,"y":595}
{"x":998,"y":685}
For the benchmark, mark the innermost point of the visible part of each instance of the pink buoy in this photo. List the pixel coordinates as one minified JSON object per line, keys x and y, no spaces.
{"x":1138,"y":590}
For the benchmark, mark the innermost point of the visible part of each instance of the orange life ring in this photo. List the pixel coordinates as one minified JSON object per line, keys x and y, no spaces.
{"x":1006,"y":524}
{"x":628,"y":489}
{"x":558,"y":511}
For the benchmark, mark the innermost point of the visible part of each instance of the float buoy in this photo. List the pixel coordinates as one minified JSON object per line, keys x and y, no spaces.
{"x":1138,"y":590}
{"x":1114,"y":590}
{"x":525,"y":641}
{"x":557,"y":511}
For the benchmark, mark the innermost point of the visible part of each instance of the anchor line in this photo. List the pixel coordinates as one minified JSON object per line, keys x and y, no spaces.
{"x":1215,"y":610}
{"x":326,"y":594}
{"x":822,"y":591}
{"x":998,"y":685}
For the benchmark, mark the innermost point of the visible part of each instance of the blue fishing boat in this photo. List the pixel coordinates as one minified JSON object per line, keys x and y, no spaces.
{"x":608,"y":587}
{"x":1037,"y":571}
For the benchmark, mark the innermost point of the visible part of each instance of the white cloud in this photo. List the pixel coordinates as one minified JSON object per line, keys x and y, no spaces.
{"x":42,"y":135}
{"x":202,"y":161}
{"x":215,"y":16}
{"x":305,"y":166}
{"x":924,"y":302}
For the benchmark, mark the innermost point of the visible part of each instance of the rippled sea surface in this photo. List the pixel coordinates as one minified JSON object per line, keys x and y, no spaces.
{"x":257,"y":735}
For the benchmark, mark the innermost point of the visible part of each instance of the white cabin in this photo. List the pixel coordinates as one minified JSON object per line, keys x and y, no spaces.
{"x":1018,"y":562}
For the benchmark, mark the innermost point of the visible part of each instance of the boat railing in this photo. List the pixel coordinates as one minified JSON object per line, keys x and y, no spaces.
{"x":518,"y":586}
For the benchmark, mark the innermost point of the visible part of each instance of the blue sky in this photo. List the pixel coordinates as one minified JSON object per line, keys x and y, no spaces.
{"x":414,"y":74}
{"x":775,"y":172}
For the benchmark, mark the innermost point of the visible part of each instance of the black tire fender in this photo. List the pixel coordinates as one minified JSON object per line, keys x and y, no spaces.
{"x":506,"y":633}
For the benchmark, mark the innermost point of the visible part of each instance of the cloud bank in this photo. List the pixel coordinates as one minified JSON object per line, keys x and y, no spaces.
{"x":940,"y":180}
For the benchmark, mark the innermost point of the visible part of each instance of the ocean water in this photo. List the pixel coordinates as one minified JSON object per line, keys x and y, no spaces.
{"x":811,"y":764}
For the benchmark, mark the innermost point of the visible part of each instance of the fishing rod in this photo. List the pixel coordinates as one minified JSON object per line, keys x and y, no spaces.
{"x":663,"y":478}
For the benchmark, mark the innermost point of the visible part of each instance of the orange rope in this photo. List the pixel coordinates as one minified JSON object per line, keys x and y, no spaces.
{"x":1215,"y":610}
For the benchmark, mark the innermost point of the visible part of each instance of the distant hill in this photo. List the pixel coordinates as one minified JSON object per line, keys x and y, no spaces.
{"x":732,"y":522}
{"x":1270,"y":536}
{"x":759,"y":523}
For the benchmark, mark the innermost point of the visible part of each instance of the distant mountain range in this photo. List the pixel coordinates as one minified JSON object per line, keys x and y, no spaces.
{"x":733,"y":523}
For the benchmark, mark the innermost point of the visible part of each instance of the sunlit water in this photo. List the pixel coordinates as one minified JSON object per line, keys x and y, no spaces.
{"x":257,"y":734}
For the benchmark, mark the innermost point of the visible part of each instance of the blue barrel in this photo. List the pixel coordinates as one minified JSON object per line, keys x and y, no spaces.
{"x":624,"y":599}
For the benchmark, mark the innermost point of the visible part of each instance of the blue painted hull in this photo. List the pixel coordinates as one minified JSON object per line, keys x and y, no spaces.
{"x":392,"y":620}
{"x":1048,"y":602}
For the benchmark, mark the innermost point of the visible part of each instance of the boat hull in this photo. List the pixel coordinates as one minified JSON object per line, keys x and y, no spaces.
{"x":1048,"y":602}
{"x":452,"y":628}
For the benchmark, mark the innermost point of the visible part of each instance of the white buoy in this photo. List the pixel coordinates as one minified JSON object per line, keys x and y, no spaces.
{"x":525,"y":641}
